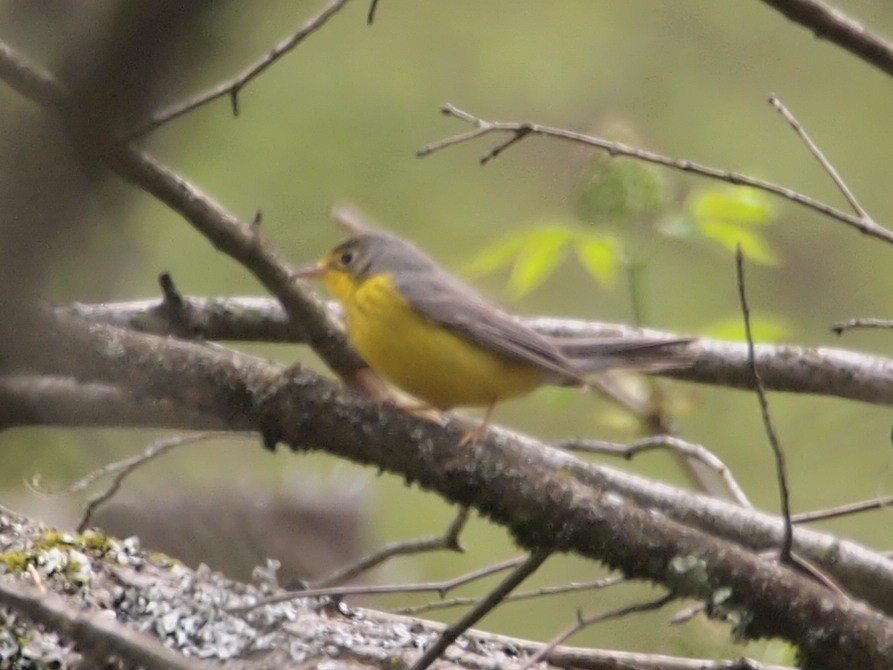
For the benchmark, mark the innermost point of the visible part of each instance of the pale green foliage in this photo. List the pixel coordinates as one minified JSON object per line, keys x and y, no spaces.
{"x":600,"y":255}
{"x":534,"y":254}
{"x":731,"y":216}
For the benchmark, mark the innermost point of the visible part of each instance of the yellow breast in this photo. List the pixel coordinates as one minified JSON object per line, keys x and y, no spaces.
{"x":421,"y":357}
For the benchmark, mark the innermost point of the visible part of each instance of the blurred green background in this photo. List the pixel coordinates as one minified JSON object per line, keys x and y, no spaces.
{"x":341,"y":118}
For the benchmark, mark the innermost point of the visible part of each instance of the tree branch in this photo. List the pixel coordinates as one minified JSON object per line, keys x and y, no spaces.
{"x":227,"y":233}
{"x":831,"y":24}
{"x":190,"y":610}
{"x":97,"y":636}
{"x":785,"y":367}
{"x":547,"y":499}
{"x":233,"y":87}
{"x":519,"y":130}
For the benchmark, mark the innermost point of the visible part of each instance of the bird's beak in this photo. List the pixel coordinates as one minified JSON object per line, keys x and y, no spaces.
{"x":310,"y":272}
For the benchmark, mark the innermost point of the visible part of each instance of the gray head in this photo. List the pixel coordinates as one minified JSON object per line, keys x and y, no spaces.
{"x":370,"y":254}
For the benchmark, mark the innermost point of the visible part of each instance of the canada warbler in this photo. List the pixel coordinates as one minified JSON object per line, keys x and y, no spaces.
{"x":426,"y":332}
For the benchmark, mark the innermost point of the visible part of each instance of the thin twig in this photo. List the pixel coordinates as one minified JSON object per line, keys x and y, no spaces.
{"x":571,"y":587}
{"x":233,"y":87}
{"x":780,"y":468}
{"x":686,"y":614}
{"x":674,"y":444}
{"x":589,"y":658}
{"x":851,"y":324}
{"x":370,"y":17}
{"x":441,"y":588}
{"x":810,"y":568}
{"x":496,"y":596}
{"x":843,"y":510}
{"x":820,"y":157}
{"x":121,"y":469}
{"x":583,"y":622}
{"x":448,"y":540}
{"x":519,"y":130}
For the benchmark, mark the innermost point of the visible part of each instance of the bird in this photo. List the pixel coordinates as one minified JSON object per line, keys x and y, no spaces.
{"x":436,"y":338}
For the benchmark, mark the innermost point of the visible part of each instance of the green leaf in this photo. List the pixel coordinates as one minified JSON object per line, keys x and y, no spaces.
{"x":729,"y":235}
{"x":540,"y":252}
{"x":600,"y":256}
{"x":737,"y":204}
{"x":495,"y":256}
{"x":764,"y":328}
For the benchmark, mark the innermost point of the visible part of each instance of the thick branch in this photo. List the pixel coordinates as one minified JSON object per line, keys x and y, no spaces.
{"x":298,"y":633}
{"x":863,"y":573}
{"x":98,"y":637}
{"x":63,"y":401}
{"x":545,"y":498}
{"x":790,"y":368}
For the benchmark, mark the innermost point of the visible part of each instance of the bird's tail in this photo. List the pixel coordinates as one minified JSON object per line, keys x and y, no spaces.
{"x":634,"y":354}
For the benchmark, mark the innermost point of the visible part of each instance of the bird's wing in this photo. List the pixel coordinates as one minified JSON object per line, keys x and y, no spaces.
{"x":446,"y":301}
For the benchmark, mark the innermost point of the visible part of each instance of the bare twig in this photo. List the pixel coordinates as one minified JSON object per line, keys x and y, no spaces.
{"x":815,"y":571}
{"x":121,"y":469}
{"x":370,"y":17}
{"x":571,"y":587}
{"x":448,"y":540}
{"x":674,"y":444}
{"x":820,"y":157}
{"x":610,"y":659}
{"x":496,"y":596}
{"x":441,"y":588}
{"x":780,"y":467}
{"x":519,"y":130}
{"x":841,"y":326}
{"x":584,"y":622}
{"x":234,"y":86}
{"x":843,"y":510}
{"x":831,"y":24}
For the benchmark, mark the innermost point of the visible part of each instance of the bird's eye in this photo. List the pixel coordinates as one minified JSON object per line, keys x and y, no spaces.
{"x":346,"y":258}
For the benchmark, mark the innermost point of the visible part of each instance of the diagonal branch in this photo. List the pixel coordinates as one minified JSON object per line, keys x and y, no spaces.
{"x":234,"y":86}
{"x":831,"y":24}
{"x":543,"y":497}
{"x":494,"y":598}
{"x":814,"y":149}
{"x":243,"y":242}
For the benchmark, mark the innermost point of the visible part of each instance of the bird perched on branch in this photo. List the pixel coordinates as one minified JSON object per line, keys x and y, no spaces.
{"x":436,"y":338}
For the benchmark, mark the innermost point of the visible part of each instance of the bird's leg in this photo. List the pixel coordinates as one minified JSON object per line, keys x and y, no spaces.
{"x":478,"y":432}
{"x":366,"y":381}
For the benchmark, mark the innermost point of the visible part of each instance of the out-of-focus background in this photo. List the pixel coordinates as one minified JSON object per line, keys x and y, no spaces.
{"x":341,"y":118}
